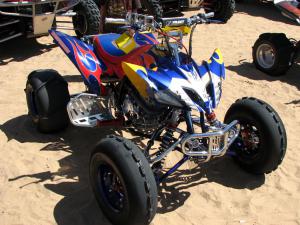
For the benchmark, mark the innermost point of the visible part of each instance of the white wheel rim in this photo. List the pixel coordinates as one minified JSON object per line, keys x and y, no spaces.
{"x":265,"y":56}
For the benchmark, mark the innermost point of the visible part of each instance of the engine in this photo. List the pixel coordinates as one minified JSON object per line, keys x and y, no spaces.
{"x":141,"y":115}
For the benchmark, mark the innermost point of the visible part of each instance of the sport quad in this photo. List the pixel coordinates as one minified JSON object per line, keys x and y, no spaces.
{"x":145,"y":80}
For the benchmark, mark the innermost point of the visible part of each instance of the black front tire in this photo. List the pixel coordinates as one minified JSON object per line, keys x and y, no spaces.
{"x":282,"y":49}
{"x":261,"y":145}
{"x":136,"y":186}
{"x":47,"y":96}
{"x":87,"y":19}
{"x":223,"y":9}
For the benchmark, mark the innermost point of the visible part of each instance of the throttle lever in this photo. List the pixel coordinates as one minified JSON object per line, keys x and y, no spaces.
{"x":208,"y":15}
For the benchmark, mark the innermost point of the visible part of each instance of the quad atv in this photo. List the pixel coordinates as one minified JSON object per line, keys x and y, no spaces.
{"x":35,"y":18}
{"x":146,"y":80}
{"x":274,"y":53}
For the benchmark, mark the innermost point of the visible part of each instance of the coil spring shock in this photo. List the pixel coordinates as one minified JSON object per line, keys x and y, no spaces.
{"x":167,"y":140}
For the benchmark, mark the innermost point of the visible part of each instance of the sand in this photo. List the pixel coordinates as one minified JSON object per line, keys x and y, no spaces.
{"x":44,"y":178}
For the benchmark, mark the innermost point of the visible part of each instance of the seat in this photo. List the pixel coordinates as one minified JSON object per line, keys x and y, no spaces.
{"x":106,"y":48}
{"x":105,"y":44}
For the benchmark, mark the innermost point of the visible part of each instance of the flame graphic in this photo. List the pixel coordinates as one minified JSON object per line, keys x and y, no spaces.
{"x":87,"y":62}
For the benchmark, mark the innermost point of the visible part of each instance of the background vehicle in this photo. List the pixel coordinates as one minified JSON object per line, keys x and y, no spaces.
{"x":223,"y":9}
{"x":289,"y":8}
{"x":274,"y":53}
{"x":35,"y":18}
{"x":136,"y":81}
{"x":120,"y":8}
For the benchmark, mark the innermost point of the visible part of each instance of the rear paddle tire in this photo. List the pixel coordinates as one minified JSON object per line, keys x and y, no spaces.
{"x":123,"y":182}
{"x":273,"y":54}
{"x":261,"y":144}
{"x":47,"y":97}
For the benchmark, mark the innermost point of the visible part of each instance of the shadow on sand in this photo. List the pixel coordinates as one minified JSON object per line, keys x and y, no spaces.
{"x":174,"y":190}
{"x":20,"y":49}
{"x":261,"y":8}
{"x":248,"y":70}
{"x":73,"y":78}
{"x":78,"y":205}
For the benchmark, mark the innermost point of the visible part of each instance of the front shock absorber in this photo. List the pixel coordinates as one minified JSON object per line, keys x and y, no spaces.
{"x":166,"y":142}
{"x":211,"y":117}
{"x":167,"y":139}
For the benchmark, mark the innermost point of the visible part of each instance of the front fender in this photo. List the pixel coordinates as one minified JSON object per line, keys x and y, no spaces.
{"x":216,"y":64}
{"x":214,"y":71}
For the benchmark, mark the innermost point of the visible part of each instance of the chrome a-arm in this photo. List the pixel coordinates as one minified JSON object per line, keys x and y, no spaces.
{"x":216,"y":142}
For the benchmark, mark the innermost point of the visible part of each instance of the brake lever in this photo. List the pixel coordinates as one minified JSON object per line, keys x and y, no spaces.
{"x":203,"y":20}
{"x":216,"y":21}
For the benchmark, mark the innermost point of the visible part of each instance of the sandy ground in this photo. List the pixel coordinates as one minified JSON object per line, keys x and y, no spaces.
{"x":43,"y":178}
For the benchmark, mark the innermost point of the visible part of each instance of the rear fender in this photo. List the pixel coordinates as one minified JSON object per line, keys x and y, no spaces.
{"x":83,"y":57}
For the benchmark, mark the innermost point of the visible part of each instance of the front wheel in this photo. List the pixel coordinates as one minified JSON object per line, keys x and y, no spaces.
{"x":261,"y":144}
{"x":123,"y":182}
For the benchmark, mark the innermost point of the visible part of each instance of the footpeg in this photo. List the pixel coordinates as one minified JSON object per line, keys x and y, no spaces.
{"x":85,"y":110}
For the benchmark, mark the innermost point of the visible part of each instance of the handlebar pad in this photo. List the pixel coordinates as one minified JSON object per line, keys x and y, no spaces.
{"x":175,"y":22}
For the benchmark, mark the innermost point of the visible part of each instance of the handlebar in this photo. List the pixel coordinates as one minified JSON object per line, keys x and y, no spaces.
{"x":181,"y":21}
{"x":132,"y":19}
{"x":116,"y":21}
{"x":144,"y":21}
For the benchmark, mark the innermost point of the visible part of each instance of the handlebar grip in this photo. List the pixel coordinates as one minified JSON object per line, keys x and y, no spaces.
{"x":116,"y":21}
{"x":209,"y":15}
